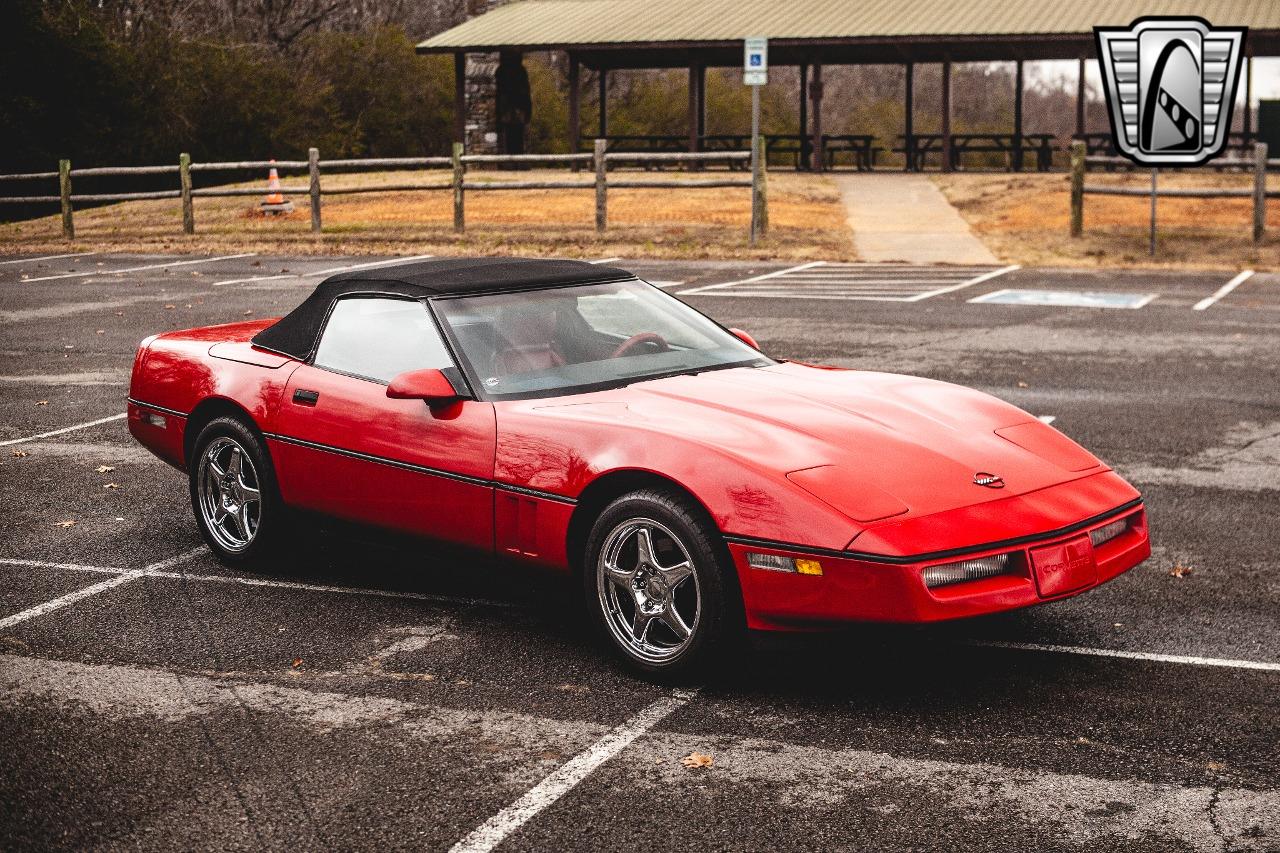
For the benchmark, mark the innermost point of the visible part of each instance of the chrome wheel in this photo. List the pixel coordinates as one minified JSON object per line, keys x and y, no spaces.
{"x":648,"y":590}
{"x":230,"y":494}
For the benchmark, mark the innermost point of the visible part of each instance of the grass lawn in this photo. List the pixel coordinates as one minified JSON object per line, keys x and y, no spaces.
{"x":1025,"y":219}
{"x":807,"y":221}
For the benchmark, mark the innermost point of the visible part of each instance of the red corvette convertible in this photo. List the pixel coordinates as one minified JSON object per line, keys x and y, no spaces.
{"x":569,"y":415}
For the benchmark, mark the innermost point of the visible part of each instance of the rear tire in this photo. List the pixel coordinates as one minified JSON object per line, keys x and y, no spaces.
{"x":658,"y":586}
{"x":234,"y":495}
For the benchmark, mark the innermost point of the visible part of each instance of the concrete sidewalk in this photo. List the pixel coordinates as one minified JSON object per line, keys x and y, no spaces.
{"x":905,"y":217}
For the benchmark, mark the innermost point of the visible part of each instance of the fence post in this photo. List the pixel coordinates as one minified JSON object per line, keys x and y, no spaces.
{"x":64,"y":189}
{"x":459,"y":212}
{"x":184,"y":180}
{"x":762,"y":191}
{"x":313,"y":171}
{"x":602,"y":200}
{"x":1077,"y":188}
{"x":1259,"y":190}
{"x":1154,"y":194}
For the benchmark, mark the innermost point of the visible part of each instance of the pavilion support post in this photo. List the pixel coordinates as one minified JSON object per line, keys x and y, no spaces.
{"x":693,"y":108}
{"x":1080,"y":96}
{"x":815,"y":91}
{"x":702,"y":103}
{"x":460,"y":98}
{"x":575,"y":108}
{"x":947,"y":164}
{"x":1248,"y":97}
{"x":604,"y":105}
{"x":908,"y":122}
{"x":1017,"y":117}
{"x":805,"y":160}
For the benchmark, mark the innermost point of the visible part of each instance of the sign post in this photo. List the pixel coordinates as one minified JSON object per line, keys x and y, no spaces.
{"x":755,"y":73}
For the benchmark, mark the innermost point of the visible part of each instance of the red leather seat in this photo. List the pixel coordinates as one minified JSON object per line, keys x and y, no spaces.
{"x":529,"y":343}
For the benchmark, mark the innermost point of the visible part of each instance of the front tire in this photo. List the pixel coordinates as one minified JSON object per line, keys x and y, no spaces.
{"x":233,"y":493}
{"x":657,"y":586}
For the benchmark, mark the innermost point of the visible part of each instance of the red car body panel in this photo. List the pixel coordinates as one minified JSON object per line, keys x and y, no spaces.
{"x":873,"y":474}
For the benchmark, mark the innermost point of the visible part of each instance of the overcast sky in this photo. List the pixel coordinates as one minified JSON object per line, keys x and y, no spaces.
{"x":1266,"y":76}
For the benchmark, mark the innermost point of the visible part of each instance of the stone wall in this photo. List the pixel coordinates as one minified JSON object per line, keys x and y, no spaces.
{"x":481,"y":90}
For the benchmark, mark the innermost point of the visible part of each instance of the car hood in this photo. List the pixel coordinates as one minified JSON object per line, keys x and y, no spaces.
{"x":872,"y":445}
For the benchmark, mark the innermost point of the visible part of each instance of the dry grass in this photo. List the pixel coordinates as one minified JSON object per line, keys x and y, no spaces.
{"x":1025,"y":219}
{"x":807,"y":221}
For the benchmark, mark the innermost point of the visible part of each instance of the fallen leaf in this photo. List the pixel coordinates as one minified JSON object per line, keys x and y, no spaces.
{"x":66,"y":524}
{"x":119,"y":313}
{"x":42,"y":402}
{"x":106,"y":469}
{"x":697,"y":759}
{"x":18,"y":454}
{"x":1216,"y":765}
{"x":111,"y":486}
{"x":169,"y":307}
{"x":101,"y":331}
{"x":1180,"y":571}
{"x":297,"y":662}
{"x":247,"y":313}
{"x":1022,"y":385}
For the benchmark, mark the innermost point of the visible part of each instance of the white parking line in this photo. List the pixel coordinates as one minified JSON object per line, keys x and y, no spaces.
{"x":63,"y":430}
{"x":1223,"y":291}
{"x":767,"y":275}
{"x":47,"y":258}
{"x":857,"y":282}
{"x":140,"y":269}
{"x":330,"y":271}
{"x":975,"y":280}
{"x":1114,"y":653}
{"x":75,"y":567}
{"x":1046,"y":419}
{"x":493,"y":831}
{"x":94,"y":589}
{"x":275,"y":584}
{"x":159,"y":570}
{"x":604,"y":260}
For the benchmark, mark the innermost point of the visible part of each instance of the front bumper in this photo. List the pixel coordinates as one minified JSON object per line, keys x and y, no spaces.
{"x":854,"y":590}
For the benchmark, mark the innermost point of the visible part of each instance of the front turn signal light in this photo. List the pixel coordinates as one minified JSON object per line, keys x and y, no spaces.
{"x":777,"y":563}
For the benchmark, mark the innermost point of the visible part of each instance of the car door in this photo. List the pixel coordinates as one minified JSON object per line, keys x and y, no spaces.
{"x":343,"y":448}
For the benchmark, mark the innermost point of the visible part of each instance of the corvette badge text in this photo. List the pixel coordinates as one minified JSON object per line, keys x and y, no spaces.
{"x":1170,"y":85}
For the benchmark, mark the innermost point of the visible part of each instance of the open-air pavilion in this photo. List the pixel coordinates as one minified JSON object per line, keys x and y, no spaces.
{"x":608,"y":35}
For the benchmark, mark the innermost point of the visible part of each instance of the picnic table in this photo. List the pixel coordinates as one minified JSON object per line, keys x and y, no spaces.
{"x":918,"y":146}
{"x":1102,"y":144}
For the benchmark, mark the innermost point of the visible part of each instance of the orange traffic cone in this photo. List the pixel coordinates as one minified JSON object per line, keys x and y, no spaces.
{"x":275,"y":202}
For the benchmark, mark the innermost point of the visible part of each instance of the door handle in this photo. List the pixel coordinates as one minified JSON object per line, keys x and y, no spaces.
{"x":305,"y":398}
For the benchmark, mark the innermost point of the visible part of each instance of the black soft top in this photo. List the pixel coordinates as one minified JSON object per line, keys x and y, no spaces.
{"x":295,"y":333}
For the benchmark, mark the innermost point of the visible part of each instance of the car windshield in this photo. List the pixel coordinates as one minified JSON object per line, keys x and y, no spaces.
{"x":564,"y":340}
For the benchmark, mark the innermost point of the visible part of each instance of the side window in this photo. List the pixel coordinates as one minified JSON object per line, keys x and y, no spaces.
{"x":380,"y":338}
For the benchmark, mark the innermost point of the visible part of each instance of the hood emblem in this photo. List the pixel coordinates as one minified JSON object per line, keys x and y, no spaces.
{"x":991,"y":481}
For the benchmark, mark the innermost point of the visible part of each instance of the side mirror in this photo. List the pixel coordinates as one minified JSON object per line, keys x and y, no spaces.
{"x":430,"y":385}
{"x":745,"y":338}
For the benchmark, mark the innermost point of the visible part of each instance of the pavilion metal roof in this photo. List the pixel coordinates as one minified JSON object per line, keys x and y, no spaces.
{"x":675,"y":24}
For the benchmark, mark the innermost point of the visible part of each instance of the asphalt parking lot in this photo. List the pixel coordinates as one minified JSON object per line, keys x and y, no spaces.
{"x":373,"y":693}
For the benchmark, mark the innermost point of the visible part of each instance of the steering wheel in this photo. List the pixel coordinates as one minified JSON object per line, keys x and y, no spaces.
{"x":634,"y":341}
